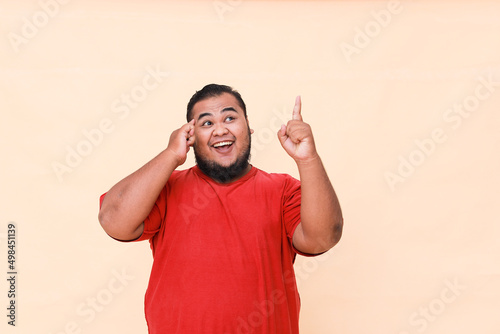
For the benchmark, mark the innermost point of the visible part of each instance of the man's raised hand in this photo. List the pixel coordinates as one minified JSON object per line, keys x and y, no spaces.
{"x":296,"y":137}
{"x":180,"y":142}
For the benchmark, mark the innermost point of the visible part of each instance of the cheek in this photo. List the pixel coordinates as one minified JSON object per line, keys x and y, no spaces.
{"x":241,"y":131}
{"x":245,"y":135}
{"x":199,"y":137}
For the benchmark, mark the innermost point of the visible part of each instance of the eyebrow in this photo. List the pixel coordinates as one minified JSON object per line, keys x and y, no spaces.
{"x":229,"y":109}
{"x":210,"y":114}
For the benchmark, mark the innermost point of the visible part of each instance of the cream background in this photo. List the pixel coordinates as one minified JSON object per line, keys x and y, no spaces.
{"x":400,"y":246}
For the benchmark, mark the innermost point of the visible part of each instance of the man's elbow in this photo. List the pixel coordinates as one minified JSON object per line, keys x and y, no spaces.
{"x":321,"y":241}
{"x":118,"y":228}
{"x":333,"y":237}
{"x":108,"y":223}
{"x":105,"y":220}
{"x":337,"y":228}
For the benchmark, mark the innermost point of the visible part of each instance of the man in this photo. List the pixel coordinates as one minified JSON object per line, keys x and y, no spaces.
{"x":224,"y":234}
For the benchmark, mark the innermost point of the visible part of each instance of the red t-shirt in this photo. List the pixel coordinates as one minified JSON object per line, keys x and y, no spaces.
{"x":223,"y":255}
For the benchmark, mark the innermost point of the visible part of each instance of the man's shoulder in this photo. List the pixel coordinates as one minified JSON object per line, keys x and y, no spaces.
{"x":183,"y":174}
{"x":278,"y":184}
{"x":275,"y":176}
{"x":180,"y":172}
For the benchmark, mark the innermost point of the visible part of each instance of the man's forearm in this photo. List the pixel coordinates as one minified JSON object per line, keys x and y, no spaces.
{"x":321,"y":215}
{"x":129,"y":202}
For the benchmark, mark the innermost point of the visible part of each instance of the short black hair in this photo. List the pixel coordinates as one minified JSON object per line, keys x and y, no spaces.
{"x":213,"y":90}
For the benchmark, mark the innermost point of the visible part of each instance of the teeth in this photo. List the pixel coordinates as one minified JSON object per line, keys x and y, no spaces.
{"x":223,"y":143}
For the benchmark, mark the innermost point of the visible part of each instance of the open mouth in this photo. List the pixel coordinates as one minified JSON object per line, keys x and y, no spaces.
{"x":223,"y":146}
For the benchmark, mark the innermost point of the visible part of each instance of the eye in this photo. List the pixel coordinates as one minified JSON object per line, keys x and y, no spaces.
{"x":206,"y":123}
{"x":229,"y":118}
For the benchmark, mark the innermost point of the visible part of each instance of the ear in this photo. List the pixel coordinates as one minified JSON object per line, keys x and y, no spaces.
{"x":248,"y":123}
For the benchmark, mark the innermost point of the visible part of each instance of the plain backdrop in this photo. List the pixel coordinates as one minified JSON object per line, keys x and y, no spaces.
{"x":403,"y":98}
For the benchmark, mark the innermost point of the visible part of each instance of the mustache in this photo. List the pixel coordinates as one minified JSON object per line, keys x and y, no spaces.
{"x":224,"y":174}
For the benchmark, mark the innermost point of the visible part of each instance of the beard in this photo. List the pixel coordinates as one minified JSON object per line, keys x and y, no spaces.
{"x":221,"y":173}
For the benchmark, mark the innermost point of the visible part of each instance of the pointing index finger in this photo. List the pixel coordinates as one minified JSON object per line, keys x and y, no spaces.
{"x":297,"y":109}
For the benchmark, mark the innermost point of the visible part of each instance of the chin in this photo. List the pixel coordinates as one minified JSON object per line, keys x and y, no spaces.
{"x":225,"y":163}
{"x":224,"y":171}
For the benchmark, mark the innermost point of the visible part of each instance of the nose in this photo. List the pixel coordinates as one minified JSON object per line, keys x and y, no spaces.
{"x":220,"y":130}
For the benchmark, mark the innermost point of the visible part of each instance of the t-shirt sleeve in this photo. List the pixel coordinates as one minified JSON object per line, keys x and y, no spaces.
{"x":291,"y":207}
{"x":291,"y":210}
{"x":156,"y":217}
{"x":153,"y":221}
